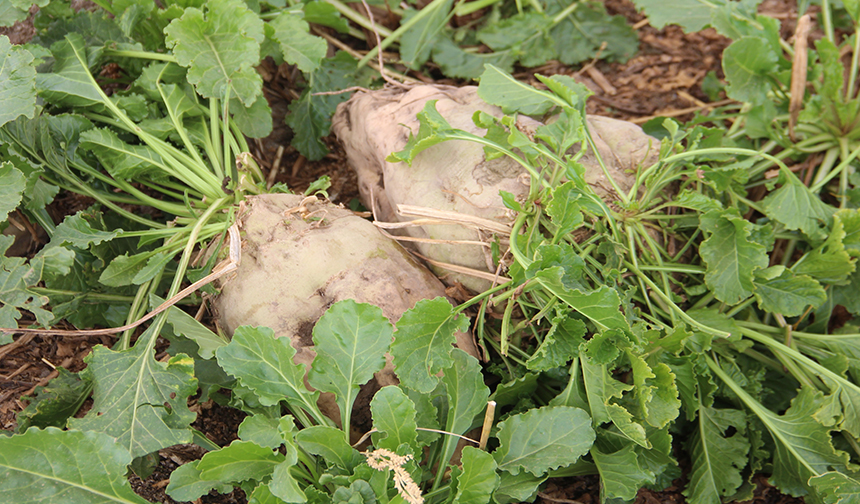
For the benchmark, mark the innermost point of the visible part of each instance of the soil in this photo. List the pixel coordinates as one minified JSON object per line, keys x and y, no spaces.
{"x":664,"y":78}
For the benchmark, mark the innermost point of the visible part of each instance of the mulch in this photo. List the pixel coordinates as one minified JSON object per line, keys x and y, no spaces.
{"x":664,"y":78}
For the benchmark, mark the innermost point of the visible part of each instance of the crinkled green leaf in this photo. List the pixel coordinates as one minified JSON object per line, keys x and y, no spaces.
{"x":122,"y":160}
{"x":284,"y":485}
{"x":394,"y":417}
{"x":17,"y":276}
{"x":788,"y":294}
{"x":77,"y":232}
{"x":829,"y":262}
{"x":299,"y":47}
{"x":525,"y":34}
{"x":139,"y":401}
{"x":54,"y":466}
{"x":656,"y":391}
{"x":603,"y":391}
{"x":601,"y":305}
{"x":730,"y":255}
{"x":691,"y":15}
{"x":749,"y":64}
{"x":718,"y":459}
{"x":264,"y":363}
{"x":240,"y":461}
{"x":478,"y":480}
{"x":424,"y":341}
{"x":324,"y":13}
{"x":564,"y":210}
{"x":543,"y":439}
{"x":350,"y":341}
{"x":17,"y":81}
{"x":621,"y":475}
{"x":12,"y":185}
{"x":54,"y":403}
{"x":559,"y":346}
{"x":795,"y":206}
{"x":803,"y":445}
{"x":123,"y":269}
{"x":836,"y":488}
{"x":220,"y":49}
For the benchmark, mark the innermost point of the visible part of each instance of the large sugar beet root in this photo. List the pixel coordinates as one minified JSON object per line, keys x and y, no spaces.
{"x":299,"y":256}
{"x":455,"y":176}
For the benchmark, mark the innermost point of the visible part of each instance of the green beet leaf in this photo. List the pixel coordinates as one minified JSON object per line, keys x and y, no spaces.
{"x":329,"y":443}
{"x":220,"y":49}
{"x":730,"y":255}
{"x":601,"y":305}
{"x":188,"y":327}
{"x":787,"y":293}
{"x":283,"y":485}
{"x":186,"y":484}
{"x":53,"y":404}
{"x":262,"y":430}
{"x":467,"y":398}
{"x":17,"y":82}
{"x":69,"y":83}
{"x":77,"y":232}
{"x":500,"y":88}
{"x":455,"y":62}
{"x":12,"y":185}
{"x":350,"y":340}
{"x":310,"y":115}
{"x":254,"y":121}
{"x":603,"y":392}
{"x":394,"y":418}
{"x":264,"y":363}
{"x":417,"y":41}
{"x":589,"y":32}
{"x":656,"y":391}
{"x":240,"y":461}
{"x":559,"y":346}
{"x":717,"y":459}
{"x":522,"y":487}
{"x":835,"y":488}
{"x":299,"y":47}
{"x":65,"y":466}
{"x":424,"y":342}
{"x":478,"y":480}
{"x":795,"y":206}
{"x":137,"y":400}
{"x":749,"y":64}
{"x":829,"y":262}
{"x":691,"y":15}
{"x":543,"y":439}
{"x":17,"y":276}
{"x":621,"y":473}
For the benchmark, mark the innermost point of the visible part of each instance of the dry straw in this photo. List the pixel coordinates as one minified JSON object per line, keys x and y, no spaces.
{"x":383,"y":460}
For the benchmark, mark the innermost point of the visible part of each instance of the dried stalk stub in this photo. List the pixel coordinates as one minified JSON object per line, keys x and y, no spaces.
{"x":455,"y":177}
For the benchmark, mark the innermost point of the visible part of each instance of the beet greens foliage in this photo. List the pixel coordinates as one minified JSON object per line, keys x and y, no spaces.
{"x":704,"y":308}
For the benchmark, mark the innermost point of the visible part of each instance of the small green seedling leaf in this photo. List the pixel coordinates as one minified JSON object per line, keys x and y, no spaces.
{"x":65,"y":466}
{"x":543,"y":439}
{"x":424,"y":341}
{"x":350,"y":340}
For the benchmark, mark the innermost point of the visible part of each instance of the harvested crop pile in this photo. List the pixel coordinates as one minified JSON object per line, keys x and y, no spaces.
{"x":301,"y":255}
{"x":455,"y":177}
